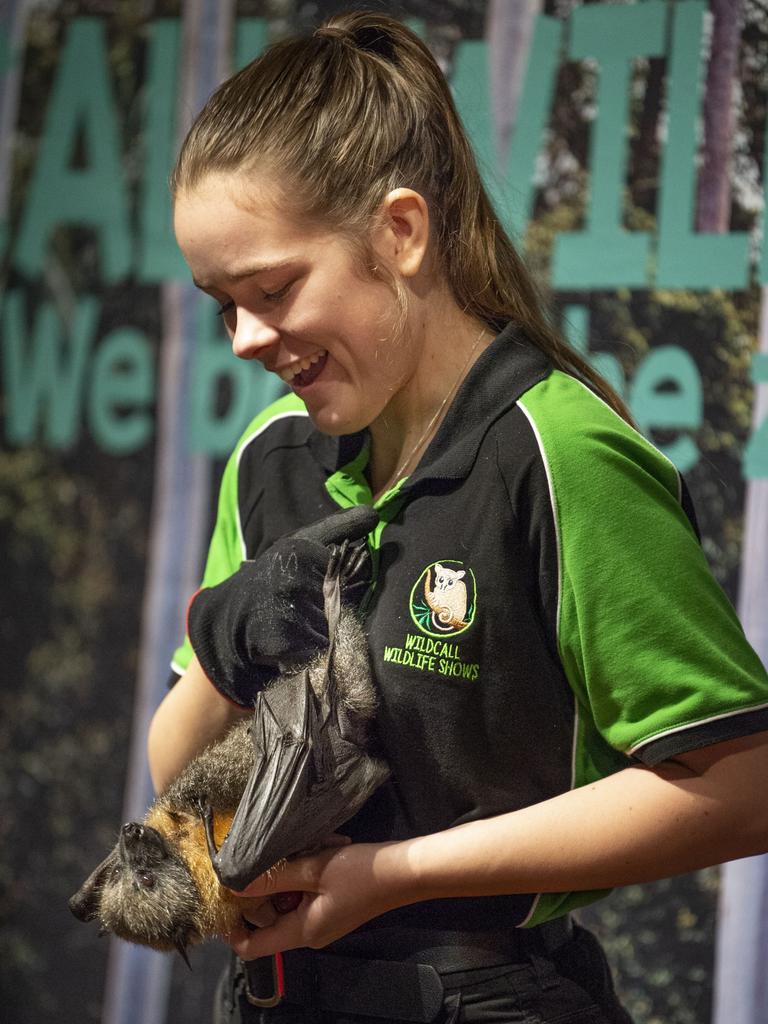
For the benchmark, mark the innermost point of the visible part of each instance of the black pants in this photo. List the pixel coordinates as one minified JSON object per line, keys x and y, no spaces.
{"x":572,"y":986}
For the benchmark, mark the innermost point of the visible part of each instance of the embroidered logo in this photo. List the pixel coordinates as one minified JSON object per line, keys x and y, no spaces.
{"x":443,"y":603}
{"x":443,"y":599}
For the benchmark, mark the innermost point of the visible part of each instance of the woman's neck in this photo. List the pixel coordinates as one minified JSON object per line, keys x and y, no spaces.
{"x":402,"y":433}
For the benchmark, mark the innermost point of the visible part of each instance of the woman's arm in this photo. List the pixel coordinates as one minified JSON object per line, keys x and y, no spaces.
{"x":637,"y":825}
{"x":192,"y":715}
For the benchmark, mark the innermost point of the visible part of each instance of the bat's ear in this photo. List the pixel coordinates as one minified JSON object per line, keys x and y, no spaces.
{"x":180,"y":942}
{"x":86,"y":903}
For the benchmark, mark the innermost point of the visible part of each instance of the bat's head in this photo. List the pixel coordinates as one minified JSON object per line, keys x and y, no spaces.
{"x":142,"y":892}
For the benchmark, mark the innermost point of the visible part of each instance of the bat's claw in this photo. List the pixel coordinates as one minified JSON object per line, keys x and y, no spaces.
{"x":336,"y":561}
{"x":205,"y":811}
{"x":346,"y":562}
{"x":353,"y":564}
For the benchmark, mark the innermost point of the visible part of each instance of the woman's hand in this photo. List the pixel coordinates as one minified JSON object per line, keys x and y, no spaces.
{"x":342,"y":889}
{"x":272,"y":610}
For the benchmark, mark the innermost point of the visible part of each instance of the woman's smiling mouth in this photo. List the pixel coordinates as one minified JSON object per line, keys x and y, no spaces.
{"x":303,"y":372}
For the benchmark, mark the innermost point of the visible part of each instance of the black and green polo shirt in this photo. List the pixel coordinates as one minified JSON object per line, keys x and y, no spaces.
{"x":542,"y":613}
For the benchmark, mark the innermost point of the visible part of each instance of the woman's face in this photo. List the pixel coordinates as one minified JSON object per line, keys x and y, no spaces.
{"x":293,"y":297}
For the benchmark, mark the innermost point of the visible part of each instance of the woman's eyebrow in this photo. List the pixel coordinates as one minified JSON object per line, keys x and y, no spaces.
{"x":247,"y":271}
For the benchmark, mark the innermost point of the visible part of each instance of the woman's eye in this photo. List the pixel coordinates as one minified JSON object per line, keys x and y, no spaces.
{"x":225,"y":308}
{"x":274,"y":296}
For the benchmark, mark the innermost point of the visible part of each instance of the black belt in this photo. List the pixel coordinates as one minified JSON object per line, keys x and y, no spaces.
{"x":406,"y":989}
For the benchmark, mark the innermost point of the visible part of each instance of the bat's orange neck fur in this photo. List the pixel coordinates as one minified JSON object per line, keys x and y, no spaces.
{"x":220,"y":908}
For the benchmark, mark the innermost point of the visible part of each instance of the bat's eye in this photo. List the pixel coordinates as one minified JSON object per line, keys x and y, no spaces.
{"x":146,"y":880}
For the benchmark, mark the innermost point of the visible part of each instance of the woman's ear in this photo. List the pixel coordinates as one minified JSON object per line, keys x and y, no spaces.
{"x":403,"y":234}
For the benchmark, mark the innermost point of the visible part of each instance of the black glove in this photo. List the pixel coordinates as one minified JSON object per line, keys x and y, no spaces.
{"x":270,"y":613}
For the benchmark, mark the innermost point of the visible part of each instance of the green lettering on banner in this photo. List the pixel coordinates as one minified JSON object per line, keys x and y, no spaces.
{"x":510,"y":189}
{"x":532,"y":116}
{"x":417,"y":25}
{"x":159,"y":256}
{"x":44,"y":377}
{"x":80,"y":106}
{"x":249,"y":385}
{"x":605,"y":254}
{"x":686,"y":259}
{"x":652,"y":408}
{"x":576,"y":330}
{"x":8,"y":56}
{"x":680,"y":408}
{"x":122,"y":390}
{"x":470,"y":85}
{"x":755,"y":463}
{"x":250,"y":40}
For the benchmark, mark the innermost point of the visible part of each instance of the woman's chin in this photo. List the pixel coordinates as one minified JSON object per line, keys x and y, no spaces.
{"x":335,"y":422}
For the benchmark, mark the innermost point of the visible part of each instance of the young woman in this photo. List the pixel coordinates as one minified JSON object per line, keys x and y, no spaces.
{"x":568,"y":702}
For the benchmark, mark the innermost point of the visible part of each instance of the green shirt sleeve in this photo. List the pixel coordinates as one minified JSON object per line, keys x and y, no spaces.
{"x":225,"y":552}
{"x":227,"y":548}
{"x":650,"y":643}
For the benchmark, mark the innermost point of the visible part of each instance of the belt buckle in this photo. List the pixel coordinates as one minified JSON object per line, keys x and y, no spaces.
{"x":278,"y":985}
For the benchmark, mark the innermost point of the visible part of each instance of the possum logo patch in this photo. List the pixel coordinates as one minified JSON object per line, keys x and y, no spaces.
{"x":443,"y":604}
{"x":443,"y":599}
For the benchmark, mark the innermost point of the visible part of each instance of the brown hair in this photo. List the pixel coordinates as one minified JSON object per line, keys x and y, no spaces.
{"x":344,"y":117}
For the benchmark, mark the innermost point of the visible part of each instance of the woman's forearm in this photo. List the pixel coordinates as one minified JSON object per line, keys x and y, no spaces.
{"x":635,"y":826}
{"x":192,"y":715}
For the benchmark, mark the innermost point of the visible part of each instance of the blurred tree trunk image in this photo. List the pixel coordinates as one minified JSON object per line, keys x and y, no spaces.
{"x":713,"y":201}
{"x":509,"y":28}
{"x":741,"y":993}
{"x":138,"y":979}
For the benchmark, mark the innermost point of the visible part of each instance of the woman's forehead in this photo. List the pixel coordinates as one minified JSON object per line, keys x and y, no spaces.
{"x":226,"y":238}
{"x":252,"y":193}
{"x":226,"y":210}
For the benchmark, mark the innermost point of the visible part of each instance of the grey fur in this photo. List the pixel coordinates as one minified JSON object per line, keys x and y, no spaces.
{"x":143,"y":890}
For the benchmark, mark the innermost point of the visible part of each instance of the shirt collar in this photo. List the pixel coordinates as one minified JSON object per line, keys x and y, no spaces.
{"x":333,"y":453}
{"x":509,"y":367}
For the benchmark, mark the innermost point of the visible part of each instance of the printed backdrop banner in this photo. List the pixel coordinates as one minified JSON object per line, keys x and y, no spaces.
{"x":624,"y":146}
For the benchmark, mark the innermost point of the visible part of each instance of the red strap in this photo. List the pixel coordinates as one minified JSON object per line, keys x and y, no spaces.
{"x":279,"y":975}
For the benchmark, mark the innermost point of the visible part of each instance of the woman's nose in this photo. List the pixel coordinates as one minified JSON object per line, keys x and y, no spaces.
{"x":252,"y":335}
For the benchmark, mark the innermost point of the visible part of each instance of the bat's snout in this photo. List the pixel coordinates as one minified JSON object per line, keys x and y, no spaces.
{"x":86,"y":902}
{"x":83,"y":905}
{"x":141,"y":846}
{"x":132,"y":831}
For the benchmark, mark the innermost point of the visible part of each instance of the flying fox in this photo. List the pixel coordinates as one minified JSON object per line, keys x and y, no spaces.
{"x":277,"y":784}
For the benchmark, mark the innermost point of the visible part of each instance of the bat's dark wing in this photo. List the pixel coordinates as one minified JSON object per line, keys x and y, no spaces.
{"x":310,"y":774}
{"x":306,"y":782}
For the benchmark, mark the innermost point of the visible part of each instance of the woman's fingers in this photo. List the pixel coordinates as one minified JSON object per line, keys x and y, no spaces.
{"x":262,"y":913}
{"x":285,"y":933}
{"x":287,"y":876}
{"x":335,"y":839}
{"x":298,"y":875}
{"x":285,"y":902}
{"x":341,"y":888}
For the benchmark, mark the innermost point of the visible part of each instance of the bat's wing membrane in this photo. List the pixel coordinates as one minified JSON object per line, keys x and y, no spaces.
{"x":307,"y":780}
{"x":282,"y":745}
{"x":310,"y":773}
